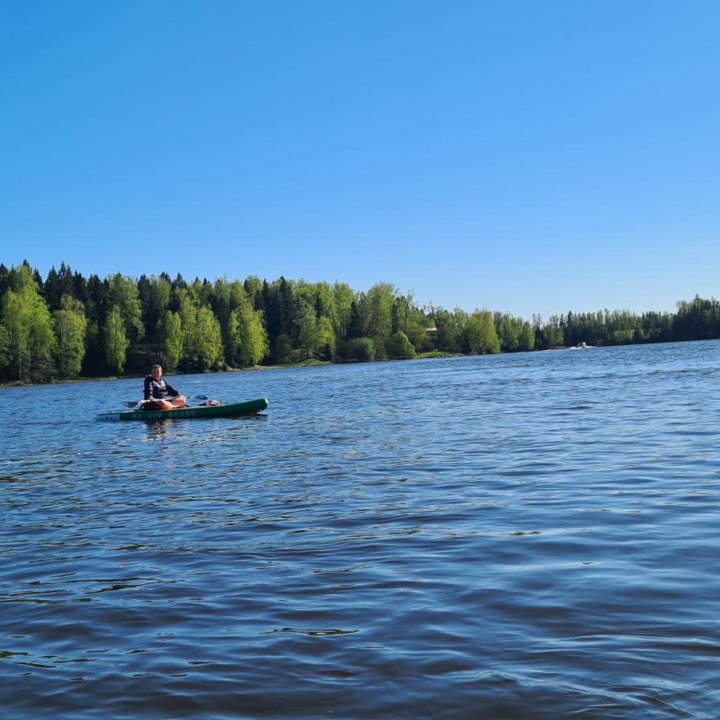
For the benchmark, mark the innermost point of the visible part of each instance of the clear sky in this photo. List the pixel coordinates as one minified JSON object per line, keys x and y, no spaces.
{"x":529,"y":156}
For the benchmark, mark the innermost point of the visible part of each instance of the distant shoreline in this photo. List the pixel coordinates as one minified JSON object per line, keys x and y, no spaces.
{"x":261,"y":368}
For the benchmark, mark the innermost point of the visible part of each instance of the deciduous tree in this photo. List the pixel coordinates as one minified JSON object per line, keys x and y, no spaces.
{"x":252,"y":341}
{"x":116,"y":340}
{"x":172,"y":337}
{"x":70,"y":326}
{"x":481,"y":336}
{"x":29,"y":336}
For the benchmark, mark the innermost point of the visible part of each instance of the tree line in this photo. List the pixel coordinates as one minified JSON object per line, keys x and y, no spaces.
{"x":67,"y":326}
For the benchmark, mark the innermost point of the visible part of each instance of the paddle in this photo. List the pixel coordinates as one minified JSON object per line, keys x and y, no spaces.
{"x":138,"y":403}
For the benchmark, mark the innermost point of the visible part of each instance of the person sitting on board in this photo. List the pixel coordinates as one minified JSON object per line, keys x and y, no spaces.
{"x":160,"y":395}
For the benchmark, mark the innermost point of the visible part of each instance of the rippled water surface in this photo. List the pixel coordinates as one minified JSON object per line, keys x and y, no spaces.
{"x":518,"y":536}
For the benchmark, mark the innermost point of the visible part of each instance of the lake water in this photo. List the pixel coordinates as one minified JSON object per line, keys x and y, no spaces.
{"x":518,"y":536}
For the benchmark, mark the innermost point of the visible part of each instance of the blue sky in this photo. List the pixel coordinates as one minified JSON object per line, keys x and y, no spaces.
{"x":527,"y":156}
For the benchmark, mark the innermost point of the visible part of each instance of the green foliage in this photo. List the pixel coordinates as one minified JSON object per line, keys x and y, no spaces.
{"x":253,"y":286}
{"x":323,"y":299}
{"x":5,"y":354}
{"x":381,"y":352}
{"x":508,"y":331}
{"x":282,"y":350}
{"x":399,"y":347}
{"x":527,"y":338}
{"x":249,"y":338}
{"x":59,"y":284}
{"x":28,"y":337}
{"x":225,"y":301}
{"x":123,"y":295}
{"x":208,"y":341}
{"x":513,"y":333}
{"x":357,"y":350}
{"x":376,"y":310}
{"x":202,"y":336}
{"x":155,"y":295}
{"x":699,"y":319}
{"x":480,"y":334}
{"x":116,"y":341}
{"x":307,"y":333}
{"x":607,"y":327}
{"x":326,"y":338}
{"x":172,"y":339}
{"x":316,"y":320}
{"x":621,"y":337}
{"x":449,"y":330}
{"x":281,"y":308}
{"x":70,"y":326}
{"x":344,"y":298}
{"x":550,"y":335}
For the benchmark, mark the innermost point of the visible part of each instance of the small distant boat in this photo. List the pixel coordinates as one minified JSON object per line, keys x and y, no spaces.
{"x":244,"y":409}
{"x":581,"y":346}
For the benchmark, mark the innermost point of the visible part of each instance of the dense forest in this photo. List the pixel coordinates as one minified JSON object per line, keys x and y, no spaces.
{"x":67,"y":326}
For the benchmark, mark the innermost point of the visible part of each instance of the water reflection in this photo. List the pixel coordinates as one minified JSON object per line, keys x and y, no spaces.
{"x":158,"y":430}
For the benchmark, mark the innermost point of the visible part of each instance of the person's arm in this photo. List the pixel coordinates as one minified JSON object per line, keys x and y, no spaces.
{"x":147,"y":390}
{"x":171,"y":391}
